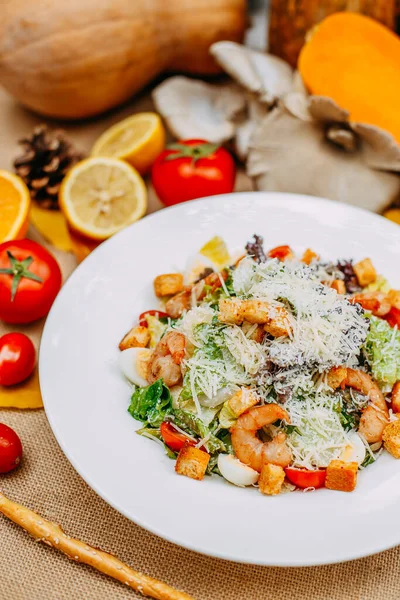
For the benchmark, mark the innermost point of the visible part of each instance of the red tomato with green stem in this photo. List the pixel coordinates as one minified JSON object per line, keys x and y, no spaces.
{"x":173,"y":438}
{"x":10,"y":449}
{"x":17,"y":358}
{"x":192,"y":169}
{"x":30,"y":279}
{"x":304,"y":478}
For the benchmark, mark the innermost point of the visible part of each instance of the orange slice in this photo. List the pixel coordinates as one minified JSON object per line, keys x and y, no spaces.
{"x":101,"y":196}
{"x":14,"y":207}
{"x":139,"y":139}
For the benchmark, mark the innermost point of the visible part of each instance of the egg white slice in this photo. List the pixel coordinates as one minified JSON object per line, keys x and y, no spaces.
{"x":235,"y":471}
{"x":355,"y":450}
{"x":133,"y":363}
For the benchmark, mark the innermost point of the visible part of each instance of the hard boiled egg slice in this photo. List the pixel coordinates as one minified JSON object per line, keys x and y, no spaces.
{"x":133,"y":362}
{"x":235,"y":471}
{"x":355,"y":449}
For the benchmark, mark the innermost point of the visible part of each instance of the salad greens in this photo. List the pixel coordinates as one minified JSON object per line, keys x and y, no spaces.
{"x":151,"y":404}
{"x":382,"y":352}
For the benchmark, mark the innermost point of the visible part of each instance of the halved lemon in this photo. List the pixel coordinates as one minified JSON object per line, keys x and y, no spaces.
{"x":138,"y":140}
{"x":15,"y":202}
{"x":101,"y":196}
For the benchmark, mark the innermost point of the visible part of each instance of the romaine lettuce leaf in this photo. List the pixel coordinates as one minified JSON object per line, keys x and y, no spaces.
{"x":382,"y":352}
{"x":151,"y":404}
{"x":195,"y":426}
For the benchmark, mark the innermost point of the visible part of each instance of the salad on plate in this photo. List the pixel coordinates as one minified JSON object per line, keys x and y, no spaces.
{"x":269,"y":369}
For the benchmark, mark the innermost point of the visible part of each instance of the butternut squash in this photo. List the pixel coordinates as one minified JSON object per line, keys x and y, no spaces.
{"x":78,"y":58}
{"x":355,"y":61}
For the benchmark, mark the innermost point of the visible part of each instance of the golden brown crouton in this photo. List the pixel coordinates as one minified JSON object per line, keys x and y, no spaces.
{"x":396,"y":397}
{"x":309,"y":255}
{"x":394,"y":298}
{"x":391,"y":438}
{"x":168,"y":285}
{"x":192,"y":462}
{"x":230,"y":311}
{"x":365,"y":272}
{"x":278,"y":325}
{"x":341,"y":476}
{"x":253,"y":332}
{"x":256,"y":311}
{"x":336,"y":377}
{"x":242,"y":401}
{"x":338,"y":285}
{"x":176,"y":305}
{"x":137,"y":337}
{"x":271,"y":479}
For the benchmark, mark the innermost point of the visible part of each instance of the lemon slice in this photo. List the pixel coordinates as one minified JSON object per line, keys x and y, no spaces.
{"x":216,"y":251}
{"x":138,"y":140}
{"x":101,"y":196}
{"x":15,"y":202}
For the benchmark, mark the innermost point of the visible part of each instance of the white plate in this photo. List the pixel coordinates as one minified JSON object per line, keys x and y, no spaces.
{"x":86,"y":398}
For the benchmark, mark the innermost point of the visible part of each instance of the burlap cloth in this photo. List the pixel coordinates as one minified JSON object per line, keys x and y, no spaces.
{"x":47,"y":483}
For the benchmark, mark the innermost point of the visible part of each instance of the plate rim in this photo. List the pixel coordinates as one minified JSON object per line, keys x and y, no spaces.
{"x":263,"y":196}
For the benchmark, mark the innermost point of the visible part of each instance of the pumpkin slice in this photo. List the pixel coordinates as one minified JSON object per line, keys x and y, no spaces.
{"x":355,"y":61}
{"x":14,"y":207}
{"x":138,"y":140}
{"x":101,"y":196}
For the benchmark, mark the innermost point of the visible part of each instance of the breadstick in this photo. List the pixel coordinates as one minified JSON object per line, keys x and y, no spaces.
{"x":52,"y":535}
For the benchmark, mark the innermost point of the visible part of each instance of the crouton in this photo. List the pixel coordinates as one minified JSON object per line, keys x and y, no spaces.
{"x":336,"y":377}
{"x":391,"y":438}
{"x":309,"y":255}
{"x":137,"y":337}
{"x":341,"y":476}
{"x":338,"y":285}
{"x":168,"y":285}
{"x":177,"y":305}
{"x":396,"y":397}
{"x":192,"y":462}
{"x":365,"y":272}
{"x":394,"y":298}
{"x":230,"y":311}
{"x":242,"y":401}
{"x":278,"y":325}
{"x":253,"y":332}
{"x":271,"y":479}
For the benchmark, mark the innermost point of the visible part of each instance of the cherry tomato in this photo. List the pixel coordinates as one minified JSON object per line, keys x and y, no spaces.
{"x":303,"y":478}
{"x":153,"y":313}
{"x":30,"y":279}
{"x":393,"y":317}
{"x":192,"y":169}
{"x":10,"y":449}
{"x":17,"y":358}
{"x":280,"y":252}
{"x":173,"y":438}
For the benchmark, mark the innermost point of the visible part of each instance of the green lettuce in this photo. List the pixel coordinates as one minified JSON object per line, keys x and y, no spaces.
{"x":195,"y":427}
{"x":382,"y":352}
{"x":151,"y":404}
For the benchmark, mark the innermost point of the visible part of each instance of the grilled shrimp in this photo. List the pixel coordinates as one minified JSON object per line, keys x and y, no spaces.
{"x":166,"y":359}
{"x":249,"y":449}
{"x":375,"y":416}
{"x":376,"y":302}
{"x":177,"y":305}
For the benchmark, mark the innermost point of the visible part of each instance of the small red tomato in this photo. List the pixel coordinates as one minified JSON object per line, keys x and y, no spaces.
{"x":173,"y":438}
{"x":10,"y":449}
{"x":303,"y":478}
{"x":393,"y":317}
{"x":280,"y":252}
{"x":30,"y":279}
{"x":153,"y":313}
{"x":192,"y":169}
{"x":17,"y":358}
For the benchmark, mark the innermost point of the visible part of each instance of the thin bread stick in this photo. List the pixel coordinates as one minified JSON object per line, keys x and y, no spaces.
{"x":52,"y":535}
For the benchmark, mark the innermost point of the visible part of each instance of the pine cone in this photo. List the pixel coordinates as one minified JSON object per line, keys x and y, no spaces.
{"x":47,"y":158}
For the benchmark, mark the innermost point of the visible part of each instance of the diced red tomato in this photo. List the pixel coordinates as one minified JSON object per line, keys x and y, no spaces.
{"x":173,"y":438}
{"x":280,"y":252}
{"x":154,"y":313}
{"x":303,"y":478}
{"x":393,"y":317}
{"x":370,"y":304}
